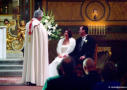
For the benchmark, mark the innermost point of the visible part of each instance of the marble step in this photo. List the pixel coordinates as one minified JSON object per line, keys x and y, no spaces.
{"x":11,"y":67}
{"x":4,"y":73}
{"x":11,"y":62}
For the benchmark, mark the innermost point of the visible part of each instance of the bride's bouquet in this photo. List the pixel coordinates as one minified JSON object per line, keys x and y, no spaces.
{"x":52,"y":28}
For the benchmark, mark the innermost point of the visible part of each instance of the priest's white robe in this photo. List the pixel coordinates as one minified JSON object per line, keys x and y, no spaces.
{"x":35,"y":67}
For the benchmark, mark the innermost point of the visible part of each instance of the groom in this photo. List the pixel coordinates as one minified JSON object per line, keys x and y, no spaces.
{"x":85,"y":46}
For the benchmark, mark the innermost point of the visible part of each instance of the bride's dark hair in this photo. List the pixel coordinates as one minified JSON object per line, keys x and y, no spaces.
{"x":69,"y":33}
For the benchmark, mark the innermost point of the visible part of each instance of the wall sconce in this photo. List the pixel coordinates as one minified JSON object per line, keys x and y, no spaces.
{"x":95,"y":14}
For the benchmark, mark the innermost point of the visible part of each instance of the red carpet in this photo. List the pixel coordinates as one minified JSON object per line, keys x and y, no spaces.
{"x":14,"y":83}
{"x":20,"y":88}
{"x":10,"y":81}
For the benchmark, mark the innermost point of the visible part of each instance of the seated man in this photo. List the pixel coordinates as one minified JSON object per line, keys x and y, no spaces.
{"x":91,"y":77}
{"x":85,"y":46}
{"x":66,"y":79}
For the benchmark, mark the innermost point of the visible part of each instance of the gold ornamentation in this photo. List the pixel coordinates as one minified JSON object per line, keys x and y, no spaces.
{"x":12,"y":29}
{"x":21,"y":31}
{"x":15,"y":41}
{"x":17,"y":45}
{"x":104,"y":49}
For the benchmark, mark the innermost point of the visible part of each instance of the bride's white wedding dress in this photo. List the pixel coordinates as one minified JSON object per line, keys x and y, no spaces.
{"x":62,"y":50}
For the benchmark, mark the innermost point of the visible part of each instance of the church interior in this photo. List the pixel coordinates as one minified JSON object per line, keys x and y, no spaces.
{"x":106,"y":21}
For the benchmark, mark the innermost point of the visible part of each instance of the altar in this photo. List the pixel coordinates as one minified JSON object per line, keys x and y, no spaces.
{"x":12,"y":39}
{"x":2,"y":42}
{"x":4,"y":52}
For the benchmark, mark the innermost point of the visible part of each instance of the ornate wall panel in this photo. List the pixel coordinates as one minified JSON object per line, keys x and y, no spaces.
{"x":66,"y":11}
{"x":85,"y":12}
{"x":118,"y":11}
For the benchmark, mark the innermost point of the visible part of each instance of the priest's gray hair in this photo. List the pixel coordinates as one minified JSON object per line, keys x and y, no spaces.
{"x":38,"y":13}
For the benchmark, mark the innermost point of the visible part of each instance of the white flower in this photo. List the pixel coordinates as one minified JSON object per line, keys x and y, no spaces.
{"x":85,"y":41}
{"x":48,"y":17}
{"x":49,"y":33}
{"x":54,"y":28}
{"x":46,"y":21}
{"x":50,"y":25}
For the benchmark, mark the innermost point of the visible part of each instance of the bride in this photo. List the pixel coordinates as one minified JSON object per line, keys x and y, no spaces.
{"x":65,"y":46}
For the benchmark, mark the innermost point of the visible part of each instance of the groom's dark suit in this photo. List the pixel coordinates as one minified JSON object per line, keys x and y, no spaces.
{"x":87,"y":49}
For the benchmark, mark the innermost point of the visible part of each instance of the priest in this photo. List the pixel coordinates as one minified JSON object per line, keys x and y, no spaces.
{"x":35,"y":67}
